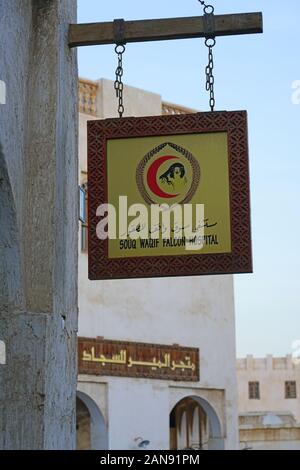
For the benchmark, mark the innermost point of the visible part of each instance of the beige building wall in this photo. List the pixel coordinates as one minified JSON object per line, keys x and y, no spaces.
{"x":38,"y":225}
{"x":270,"y":438}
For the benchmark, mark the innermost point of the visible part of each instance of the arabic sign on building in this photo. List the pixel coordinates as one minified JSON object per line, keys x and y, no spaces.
{"x":169,"y":196}
{"x":140,"y":360}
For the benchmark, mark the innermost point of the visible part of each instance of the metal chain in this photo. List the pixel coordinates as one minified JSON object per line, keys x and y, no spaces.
{"x":210,"y":43}
{"x":209,"y":70}
{"x":119,"y":86}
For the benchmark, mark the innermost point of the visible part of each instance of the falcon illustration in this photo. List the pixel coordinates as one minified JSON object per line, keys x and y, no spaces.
{"x":175,"y":172}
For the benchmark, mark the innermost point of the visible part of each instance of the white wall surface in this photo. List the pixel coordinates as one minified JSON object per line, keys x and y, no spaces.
{"x":271,"y":373}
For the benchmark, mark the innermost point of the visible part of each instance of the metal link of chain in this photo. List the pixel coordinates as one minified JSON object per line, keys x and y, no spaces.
{"x":210,"y":43}
{"x":208,"y":9}
{"x":119,"y":86}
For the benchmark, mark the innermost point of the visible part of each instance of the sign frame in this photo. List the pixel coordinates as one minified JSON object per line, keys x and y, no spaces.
{"x":238,"y":260}
{"x":82,"y":204}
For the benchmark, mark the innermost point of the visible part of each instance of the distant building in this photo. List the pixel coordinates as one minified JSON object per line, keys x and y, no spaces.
{"x":148,"y":316}
{"x":269,"y":402}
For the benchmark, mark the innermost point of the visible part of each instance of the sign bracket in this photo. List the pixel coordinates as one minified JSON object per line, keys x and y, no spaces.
{"x":92,"y":34}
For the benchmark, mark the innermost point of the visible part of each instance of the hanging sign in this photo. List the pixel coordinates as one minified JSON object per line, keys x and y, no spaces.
{"x":139,"y":360}
{"x":169,"y":196}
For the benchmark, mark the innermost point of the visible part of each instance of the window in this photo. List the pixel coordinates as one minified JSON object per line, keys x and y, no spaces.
{"x":254,"y":391}
{"x":290,"y":389}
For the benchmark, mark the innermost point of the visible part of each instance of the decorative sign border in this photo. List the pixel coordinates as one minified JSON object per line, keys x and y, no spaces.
{"x":239,"y":260}
{"x":139,"y":360}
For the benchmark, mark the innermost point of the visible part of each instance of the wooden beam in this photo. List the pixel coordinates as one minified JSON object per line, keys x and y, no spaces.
{"x":92,"y":34}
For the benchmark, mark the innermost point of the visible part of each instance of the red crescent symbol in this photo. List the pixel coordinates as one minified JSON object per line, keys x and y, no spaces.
{"x":152,"y":176}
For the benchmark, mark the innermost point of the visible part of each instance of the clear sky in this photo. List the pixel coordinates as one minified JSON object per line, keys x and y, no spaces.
{"x":255,"y":73}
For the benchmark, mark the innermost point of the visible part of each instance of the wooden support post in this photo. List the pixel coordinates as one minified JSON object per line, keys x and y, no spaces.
{"x":164,"y":29}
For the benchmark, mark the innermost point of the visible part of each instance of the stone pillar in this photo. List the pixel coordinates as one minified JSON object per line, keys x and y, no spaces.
{"x":38,"y":225}
{"x":249,"y":362}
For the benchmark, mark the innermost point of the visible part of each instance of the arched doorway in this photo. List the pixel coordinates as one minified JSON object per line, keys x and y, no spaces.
{"x":194,"y":424}
{"x":91,"y":430}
